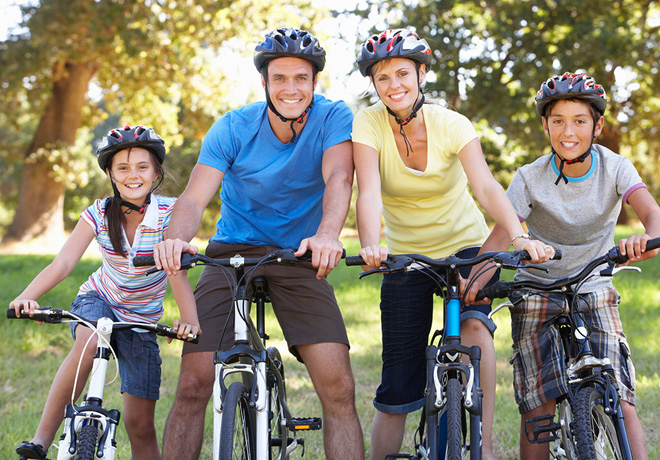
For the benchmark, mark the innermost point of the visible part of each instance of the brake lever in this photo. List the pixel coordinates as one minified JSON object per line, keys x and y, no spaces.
{"x":513,"y":261}
{"x":612,"y":270}
{"x":392,"y":264}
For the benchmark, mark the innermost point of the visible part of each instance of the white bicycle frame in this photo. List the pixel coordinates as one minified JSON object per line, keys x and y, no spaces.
{"x":95,"y":392}
{"x":241,"y":332}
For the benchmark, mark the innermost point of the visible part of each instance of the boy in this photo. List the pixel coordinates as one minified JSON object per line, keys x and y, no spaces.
{"x":571,"y":199}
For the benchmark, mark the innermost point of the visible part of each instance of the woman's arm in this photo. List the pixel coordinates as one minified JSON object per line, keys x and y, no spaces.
{"x":490,"y":194}
{"x":369,"y":206}
{"x":53,"y":274}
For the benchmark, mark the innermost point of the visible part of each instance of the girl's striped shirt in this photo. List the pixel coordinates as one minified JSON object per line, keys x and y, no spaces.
{"x":133,"y":296}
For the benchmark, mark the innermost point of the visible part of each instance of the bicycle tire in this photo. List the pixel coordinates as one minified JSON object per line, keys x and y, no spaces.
{"x":237,"y":431}
{"x":603,"y":429}
{"x":454,"y":448}
{"x":564,"y":448}
{"x":581,"y":427}
{"x":278,"y":433}
{"x":87,"y":442}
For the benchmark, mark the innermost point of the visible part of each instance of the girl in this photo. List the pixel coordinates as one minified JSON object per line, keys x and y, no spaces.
{"x":125,"y":225}
{"x":413,"y":164}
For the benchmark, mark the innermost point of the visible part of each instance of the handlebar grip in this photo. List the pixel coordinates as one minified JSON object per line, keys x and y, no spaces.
{"x":653,"y":244}
{"x":354,"y":260}
{"x":143,"y":261}
{"x":38,"y":316}
{"x":496,"y":290}
{"x":167,"y":331}
{"x":525,"y":255}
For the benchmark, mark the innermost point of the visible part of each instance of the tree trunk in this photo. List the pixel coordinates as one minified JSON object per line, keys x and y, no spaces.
{"x":40,"y":205}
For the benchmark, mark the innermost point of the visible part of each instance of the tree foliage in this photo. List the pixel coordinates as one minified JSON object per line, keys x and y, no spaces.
{"x":152,"y":62}
{"x":491,"y":56}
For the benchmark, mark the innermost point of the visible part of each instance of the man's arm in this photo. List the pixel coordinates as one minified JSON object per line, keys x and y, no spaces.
{"x":186,"y":216}
{"x":338,"y":177}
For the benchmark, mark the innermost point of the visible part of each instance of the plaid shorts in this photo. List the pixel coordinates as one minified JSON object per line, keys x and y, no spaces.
{"x":539,"y":371}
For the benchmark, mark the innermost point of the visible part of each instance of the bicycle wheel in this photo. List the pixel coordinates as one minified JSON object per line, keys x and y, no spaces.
{"x":237,"y":432}
{"x":599,"y":429}
{"x":278,"y":433}
{"x":594,"y":431}
{"x":87,"y":440}
{"x":454,"y":449}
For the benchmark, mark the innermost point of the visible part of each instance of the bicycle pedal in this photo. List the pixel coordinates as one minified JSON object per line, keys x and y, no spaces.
{"x":549,"y":426}
{"x":395,"y":456}
{"x":304,"y":424}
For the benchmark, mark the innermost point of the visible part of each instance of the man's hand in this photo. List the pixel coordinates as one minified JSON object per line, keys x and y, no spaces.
{"x":326,"y":252}
{"x":167,"y":254}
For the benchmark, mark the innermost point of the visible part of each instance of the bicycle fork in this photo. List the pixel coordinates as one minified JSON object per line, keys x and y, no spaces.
{"x":92,"y":410}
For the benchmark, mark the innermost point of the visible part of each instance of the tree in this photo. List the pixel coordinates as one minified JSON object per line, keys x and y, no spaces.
{"x":150,"y":60}
{"x":491,"y":56}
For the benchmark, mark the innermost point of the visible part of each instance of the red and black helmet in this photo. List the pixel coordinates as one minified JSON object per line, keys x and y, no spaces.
{"x":390,"y":44}
{"x":127,"y":137}
{"x":289,"y":42}
{"x":571,"y":86}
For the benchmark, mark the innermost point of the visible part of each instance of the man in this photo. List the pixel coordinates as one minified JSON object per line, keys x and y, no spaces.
{"x":286,"y":171}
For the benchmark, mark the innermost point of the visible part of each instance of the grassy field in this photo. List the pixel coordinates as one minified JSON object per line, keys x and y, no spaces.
{"x":30,"y":355}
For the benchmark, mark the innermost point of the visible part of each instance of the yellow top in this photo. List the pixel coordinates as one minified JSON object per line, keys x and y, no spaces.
{"x":431,"y":213}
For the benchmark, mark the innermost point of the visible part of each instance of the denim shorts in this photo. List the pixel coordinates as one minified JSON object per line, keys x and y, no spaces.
{"x":406,"y":317}
{"x":137,"y":353}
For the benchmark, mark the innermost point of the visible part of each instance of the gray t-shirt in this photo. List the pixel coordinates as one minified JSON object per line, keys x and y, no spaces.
{"x":577,"y":217}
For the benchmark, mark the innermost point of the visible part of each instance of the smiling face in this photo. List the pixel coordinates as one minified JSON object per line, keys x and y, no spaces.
{"x":291,"y":85}
{"x":133,"y":172}
{"x":569,"y":125}
{"x":397,"y":84}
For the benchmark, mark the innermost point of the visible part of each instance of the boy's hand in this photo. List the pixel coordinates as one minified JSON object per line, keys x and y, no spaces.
{"x":634,"y":247}
{"x":183,"y":329}
{"x":538,"y":250}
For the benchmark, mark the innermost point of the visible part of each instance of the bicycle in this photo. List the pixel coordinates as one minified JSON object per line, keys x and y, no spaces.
{"x":251,"y":417}
{"x":590,"y":422}
{"x":90,"y":429}
{"x":453,"y":391}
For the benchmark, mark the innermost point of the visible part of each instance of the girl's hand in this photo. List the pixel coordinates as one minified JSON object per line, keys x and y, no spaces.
{"x":634,"y":247}
{"x":183,"y":329}
{"x":470,"y":295}
{"x":27,"y":306}
{"x":373,"y":255}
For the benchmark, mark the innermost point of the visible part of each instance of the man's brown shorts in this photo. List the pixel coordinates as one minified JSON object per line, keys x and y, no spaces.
{"x":305,"y":307}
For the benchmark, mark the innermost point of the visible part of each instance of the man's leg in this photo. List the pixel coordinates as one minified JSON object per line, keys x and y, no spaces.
{"x":330,"y":370}
{"x":184,"y":428}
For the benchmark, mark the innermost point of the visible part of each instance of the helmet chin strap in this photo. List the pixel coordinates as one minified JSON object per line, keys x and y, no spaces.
{"x":580,"y":159}
{"x":131,"y":206}
{"x":271,"y":106}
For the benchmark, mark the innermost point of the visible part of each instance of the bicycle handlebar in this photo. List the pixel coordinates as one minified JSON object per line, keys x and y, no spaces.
{"x":55,"y":316}
{"x":285,"y":256}
{"x":506,"y":259}
{"x":502,"y":289}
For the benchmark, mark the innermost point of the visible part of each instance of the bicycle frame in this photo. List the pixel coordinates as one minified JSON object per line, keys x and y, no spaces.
{"x":92,"y":412}
{"x":583,"y":369}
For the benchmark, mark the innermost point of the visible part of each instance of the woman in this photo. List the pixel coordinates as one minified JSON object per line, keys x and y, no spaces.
{"x":414,"y":162}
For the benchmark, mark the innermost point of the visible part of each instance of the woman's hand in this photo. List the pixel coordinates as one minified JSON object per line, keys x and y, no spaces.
{"x":372,"y":256}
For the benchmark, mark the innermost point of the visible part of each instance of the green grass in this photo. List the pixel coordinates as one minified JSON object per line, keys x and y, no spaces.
{"x":30,"y":355}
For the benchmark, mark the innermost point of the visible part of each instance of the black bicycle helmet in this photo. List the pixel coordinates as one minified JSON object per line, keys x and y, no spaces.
{"x":289,"y":42}
{"x":120,"y":139}
{"x":393,"y":43}
{"x":571,"y":86}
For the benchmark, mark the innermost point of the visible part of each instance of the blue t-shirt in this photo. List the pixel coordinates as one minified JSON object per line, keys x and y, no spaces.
{"x":272,"y":192}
